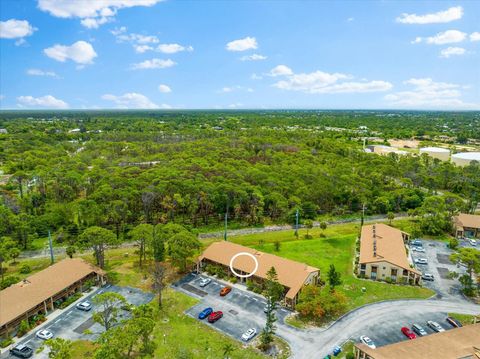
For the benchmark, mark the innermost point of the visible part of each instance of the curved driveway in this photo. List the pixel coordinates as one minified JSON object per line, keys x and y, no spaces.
{"x":318,"y":342}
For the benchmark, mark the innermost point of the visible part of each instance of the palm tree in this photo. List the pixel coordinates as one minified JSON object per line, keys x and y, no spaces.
{"x":227,"y":350}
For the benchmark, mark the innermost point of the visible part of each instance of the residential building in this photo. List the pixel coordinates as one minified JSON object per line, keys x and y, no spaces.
{"x":459,"y":343}
{"x":292,"y":275}
{"x":467,"y":225}
{"x":383,"y":255}
{"x":38,"y":293}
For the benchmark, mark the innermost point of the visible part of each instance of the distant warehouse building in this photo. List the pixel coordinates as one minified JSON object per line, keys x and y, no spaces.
{"x":459,"y":343}
{"x":292,"y":275}
{"x":436,"y":152}
{"x":383,"y":255}
{"x":38,"y":293}
{"x":465,"y":158}
{"x":467,"y":225}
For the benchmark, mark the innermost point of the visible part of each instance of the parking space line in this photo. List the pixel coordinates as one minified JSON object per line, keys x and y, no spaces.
{"x":255,"y":299}
{"x":246,"y":296}
{"x":28,"y":341}
{"x":57,"y":320}
{"x":70,"y":312}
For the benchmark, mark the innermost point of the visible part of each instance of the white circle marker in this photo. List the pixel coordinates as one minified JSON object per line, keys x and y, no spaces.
{"x":248,"y":255}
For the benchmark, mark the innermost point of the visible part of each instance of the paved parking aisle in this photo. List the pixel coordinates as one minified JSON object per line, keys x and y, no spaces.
{"x":72,"y":322}
{"x":241,"y":309}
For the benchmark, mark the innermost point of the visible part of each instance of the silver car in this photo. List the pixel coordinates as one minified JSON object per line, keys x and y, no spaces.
{"x":435,"y":326}
{"x":44,"y":334}
{"x":85,"y":306}
{"x":204,"y":282}
{"x":249,"y":334}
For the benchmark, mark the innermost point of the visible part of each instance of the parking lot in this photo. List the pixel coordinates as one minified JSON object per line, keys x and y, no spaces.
{"x":241,"y":309}
{"x":438,"y":258}
{"x":71,"y":322}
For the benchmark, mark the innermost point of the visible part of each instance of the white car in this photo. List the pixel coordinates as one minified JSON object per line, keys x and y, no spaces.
{"x":428,"y":276}
{"x":421,"y":261}
{"x":205,"y":281}
{"x":249,"y":334}
{"x":85,"y":306}
{"x":367,"y":341}
{"x":44,"y":334}
{"x":473,"y":242}
{"x":435,"y":326}
{"x":419,"y":249}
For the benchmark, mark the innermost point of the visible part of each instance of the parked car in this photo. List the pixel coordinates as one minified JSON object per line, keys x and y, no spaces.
{"x":367,"y":341}
{"x":214,"y":316}
{"x":85,"y":306}
{"x":21,"y":351}
{"x":473,"y":242}
{"x":427,"y":276}
{"x":418,"y":249}
{"x":249,"y":334}
{"x":408,"y":333}
{"x":419,"y":330}
{"x":44,"y":334}
{"x":205,"y":313}
{"x":453,"y":322}
{"x":435,"y":326}
{"x":204,"y":282}
{"x":225,"y":290}
{"x":417,"y":242}
{"x":421,"y":261}
{"x":266,"y":308}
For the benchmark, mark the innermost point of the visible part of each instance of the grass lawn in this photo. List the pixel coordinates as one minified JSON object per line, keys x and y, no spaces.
{"x":465,"y":319}
{"x":82,"y":349}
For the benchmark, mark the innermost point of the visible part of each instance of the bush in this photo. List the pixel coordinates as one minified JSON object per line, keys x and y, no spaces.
{"x":350,"y":355}
{"x":70,"y":300}
{"x":87,"y":285}
{"x":25,"y":269}
{"x":453,"y":244}
{"x":6,"y":342}
{"x":322,"y":235}
{"x":23,"y":328}
{"x":250,"y":284}
{"x":307,"y":236}
{"x":233,"y":280}
{"x":388,"y":280}
{"x":112,"y":277}
{"x":8,"y":281}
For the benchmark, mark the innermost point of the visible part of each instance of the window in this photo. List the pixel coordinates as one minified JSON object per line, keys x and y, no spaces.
{"x":363,"y":266}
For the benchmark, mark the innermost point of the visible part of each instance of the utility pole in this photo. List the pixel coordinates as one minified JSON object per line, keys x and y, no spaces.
{"x":52,"y":260}
{"x":296,"y":223}
{"x":225,"y":230}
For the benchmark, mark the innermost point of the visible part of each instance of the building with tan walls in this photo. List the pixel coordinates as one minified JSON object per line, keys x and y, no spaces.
{"x":384,"y":256}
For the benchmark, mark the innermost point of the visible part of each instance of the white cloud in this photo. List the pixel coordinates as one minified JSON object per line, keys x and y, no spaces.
{"x":16,"y":29}
{"x":236,"y":88}
{"x":131,"y":100}
{"x":173,"y":48}
{"x":142,"y":48}
{"x":428,"y":94}
{"x":280,"y":70}
{"x":256,"y":77}
{"x":227,"y":89}
{"x":38,"y":72}
{"x":247,"y":43}
{"x":164,"y":88}
{"x":350,"y":19}
{"x":451,"y":14}
{"x":134,"y":38}
{"x":442,"y":38}
{"x":47,"y":101}
{"x":324,"y":82}
{"x":92,"y":13}
{"x":253,"y":57}
{"x":475,"y":36}
{"x":452,"y":51}
{"x":153,"y":64}
{"x":80,"y":52}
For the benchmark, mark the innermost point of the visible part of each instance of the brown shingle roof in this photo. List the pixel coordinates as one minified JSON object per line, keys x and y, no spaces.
{"x":21,"y":297}
{"x":452,"y":344}
{"x":291,"y":274}
{"x":390,"y":246}
{"x":467,"y":220}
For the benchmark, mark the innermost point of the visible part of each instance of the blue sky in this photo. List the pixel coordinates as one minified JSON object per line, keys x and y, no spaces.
{"x":245,"y":54}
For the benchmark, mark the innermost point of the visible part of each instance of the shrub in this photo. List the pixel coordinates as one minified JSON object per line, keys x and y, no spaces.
{"x":25,"y":269}
{"x":112,"y":277}
{"x":8,"y":281}
{"x":250,"y":284}
{"x":6,"y":342}
{"x":453,"y":244}
{"x":70,"y":300}
{"x":350,"y":355}
{"x":388,"y":280}
{"x":23,"y":328}
{"x":307,"y":236}
{"x":322,"y":235}
{"x":233,"y":280}
{"x":87,"y":285}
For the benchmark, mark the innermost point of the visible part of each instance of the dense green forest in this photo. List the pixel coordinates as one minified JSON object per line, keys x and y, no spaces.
{"x":67,"y":171}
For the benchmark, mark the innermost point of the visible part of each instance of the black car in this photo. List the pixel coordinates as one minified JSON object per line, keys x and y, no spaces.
{"x":453,"y":322}
{"x":21,"y":351}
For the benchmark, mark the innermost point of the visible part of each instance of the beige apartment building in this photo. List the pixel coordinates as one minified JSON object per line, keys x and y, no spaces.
{"x":292,"y":275}
{"x":383,"y":255}
{"x":467,"y":225}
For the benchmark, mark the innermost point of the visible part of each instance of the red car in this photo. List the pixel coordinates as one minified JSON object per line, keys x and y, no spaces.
{"x":225,"y":291}
{"x":408,"y":333}
{"x":212,"y":318}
